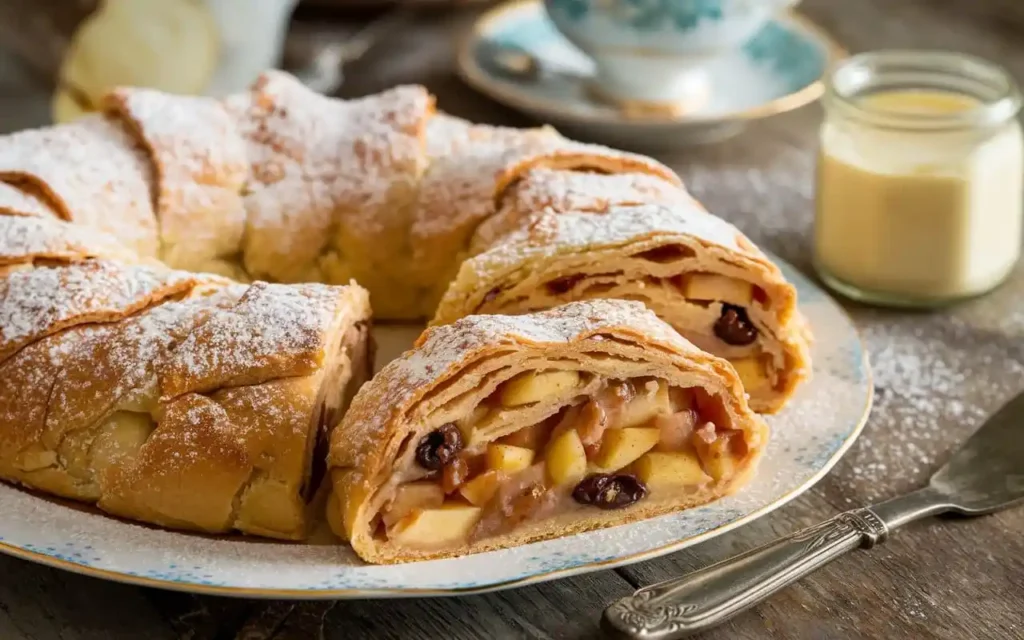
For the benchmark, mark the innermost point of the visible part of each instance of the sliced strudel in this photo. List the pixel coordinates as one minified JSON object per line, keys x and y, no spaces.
{"x":499,"y":430}
{"x":696,"y":271}
{"x":173,"y":399}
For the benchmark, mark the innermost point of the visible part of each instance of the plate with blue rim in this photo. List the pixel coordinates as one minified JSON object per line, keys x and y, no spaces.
{"x":808,"y":438}
{"x":516,"y":55}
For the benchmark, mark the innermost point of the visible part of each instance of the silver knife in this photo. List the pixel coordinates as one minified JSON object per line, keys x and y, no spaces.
{"x":985,"y":474}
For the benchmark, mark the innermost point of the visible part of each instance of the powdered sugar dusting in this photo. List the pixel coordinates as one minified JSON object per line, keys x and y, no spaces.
{"x":273,"y":331}
{"x":568,"y":232}
{"x":28,"y":378}
{"x":926,"y":371}
{"x":90,"y":168}
{"x":15,"y":201}
{"x":40,"y":301}
{"x":583,"y":191}
{"x":329,"y":158}
{"x":201,"y":166}
{"x":26,"y":239}
{"x":575,"y":191}
{"x":117,"y":364}
{"x":470,"y":165}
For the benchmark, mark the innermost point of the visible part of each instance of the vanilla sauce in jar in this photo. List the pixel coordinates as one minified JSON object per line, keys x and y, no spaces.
{"x":920,"y":179}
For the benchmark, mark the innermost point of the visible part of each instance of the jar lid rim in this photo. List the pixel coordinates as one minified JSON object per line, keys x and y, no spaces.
{"x":999,"y":98}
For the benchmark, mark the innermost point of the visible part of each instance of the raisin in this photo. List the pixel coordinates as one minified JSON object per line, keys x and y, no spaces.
{"x":734,"y":327}
{"x":608,"y":491}
{"x":439,"y":447}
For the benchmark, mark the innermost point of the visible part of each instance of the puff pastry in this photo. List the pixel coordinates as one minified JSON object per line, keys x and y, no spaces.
{"x":696,"y":271}
{"x":498,"y":430}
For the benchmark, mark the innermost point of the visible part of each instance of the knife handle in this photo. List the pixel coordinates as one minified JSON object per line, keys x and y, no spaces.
{"x":706,"y":597}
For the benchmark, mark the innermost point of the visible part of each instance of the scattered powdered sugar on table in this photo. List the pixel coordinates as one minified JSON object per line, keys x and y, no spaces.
{"x":935,"y":382}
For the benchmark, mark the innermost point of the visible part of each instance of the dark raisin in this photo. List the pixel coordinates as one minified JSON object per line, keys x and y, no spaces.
{"x":734,"y":327}
{"x":564,"y":284}
{"x":608,"y":491}
{"x":439,"y":447}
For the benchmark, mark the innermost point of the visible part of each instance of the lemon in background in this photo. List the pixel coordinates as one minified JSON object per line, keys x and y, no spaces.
{"x":170,"y":45}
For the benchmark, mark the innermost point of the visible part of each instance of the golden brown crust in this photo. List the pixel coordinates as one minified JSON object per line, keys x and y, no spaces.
{"x":471,"y":166}
{"x":21,"y":201}
{"x":85,"y":413}
{"x":114,"y":365}
{"x":200,"y":168}
{"x":638,"y":253}
{"x":333,"y":181}
{"x":566,"y":191}
{"x":454,"y":367}
{"x":25,"y":240}
{"x":274,"y":331}
{"x":41,"y":301}
{"x":85,"y":171}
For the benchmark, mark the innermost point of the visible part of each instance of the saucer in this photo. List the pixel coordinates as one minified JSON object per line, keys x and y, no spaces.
{"x":515,"y":55}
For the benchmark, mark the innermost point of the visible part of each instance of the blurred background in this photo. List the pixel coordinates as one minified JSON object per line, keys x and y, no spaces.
{"x":56,"y":56}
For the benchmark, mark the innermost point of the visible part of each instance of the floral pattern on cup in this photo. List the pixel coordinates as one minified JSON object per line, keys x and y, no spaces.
{"x":650,"y":15}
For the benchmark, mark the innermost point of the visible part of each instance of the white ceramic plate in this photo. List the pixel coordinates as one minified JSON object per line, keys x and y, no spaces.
{"x":779,"y":69}
{"x":808,"y":438}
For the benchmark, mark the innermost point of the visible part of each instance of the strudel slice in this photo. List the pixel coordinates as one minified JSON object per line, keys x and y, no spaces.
{"x":178,"y":400}
{"x":495,"y":431}
{"x":696,"y":271}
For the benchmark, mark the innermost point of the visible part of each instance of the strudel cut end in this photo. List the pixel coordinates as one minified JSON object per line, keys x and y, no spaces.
{"x":696,"y":271}
{"x":495,"y":431}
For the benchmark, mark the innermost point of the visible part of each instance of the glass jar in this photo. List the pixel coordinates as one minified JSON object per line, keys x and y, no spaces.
{"x":919,"y":178}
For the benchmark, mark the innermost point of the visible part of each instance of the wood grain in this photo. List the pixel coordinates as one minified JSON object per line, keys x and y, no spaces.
{"x":945,"y":579}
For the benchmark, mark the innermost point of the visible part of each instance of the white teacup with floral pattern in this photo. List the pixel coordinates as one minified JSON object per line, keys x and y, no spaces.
{"x":653,"y":54}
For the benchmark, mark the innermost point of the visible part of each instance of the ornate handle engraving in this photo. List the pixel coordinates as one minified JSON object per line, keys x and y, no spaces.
{"x":709,"y":596}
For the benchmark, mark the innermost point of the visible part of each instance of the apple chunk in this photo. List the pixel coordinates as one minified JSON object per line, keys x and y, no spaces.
{"x":717,"y":456}
{"x":410,"y":496}
{"x":530,"y":387}
{"x":670,"y":469}
{"x":567,"y":458}
{"x":708,"y":286}
{"x":482,"y":488}
{"x":433,"y":527}
{"x":508,"y":458}
{"x":752,"y":374}
{"x":620,"y":447}
{"x":645,"y":405}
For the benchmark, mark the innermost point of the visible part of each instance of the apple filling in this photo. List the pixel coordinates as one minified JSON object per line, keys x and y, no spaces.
{"x":722,"y":325}
{"x":612,"y":446}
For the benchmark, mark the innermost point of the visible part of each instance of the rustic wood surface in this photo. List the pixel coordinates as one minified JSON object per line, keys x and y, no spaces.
{"x":937,"y":376}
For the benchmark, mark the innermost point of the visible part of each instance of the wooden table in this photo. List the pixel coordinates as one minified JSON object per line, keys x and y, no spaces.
{"x":937,"y":375}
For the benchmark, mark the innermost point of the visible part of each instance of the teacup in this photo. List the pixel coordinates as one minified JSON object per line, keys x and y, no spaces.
{"x":654,"y":53}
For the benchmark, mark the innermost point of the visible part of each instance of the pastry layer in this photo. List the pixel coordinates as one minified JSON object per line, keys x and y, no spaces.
{"x":696,"y":271}
{"x":497,"y":430}
{"x":138,"y":372}
{"x":201,"y":411}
